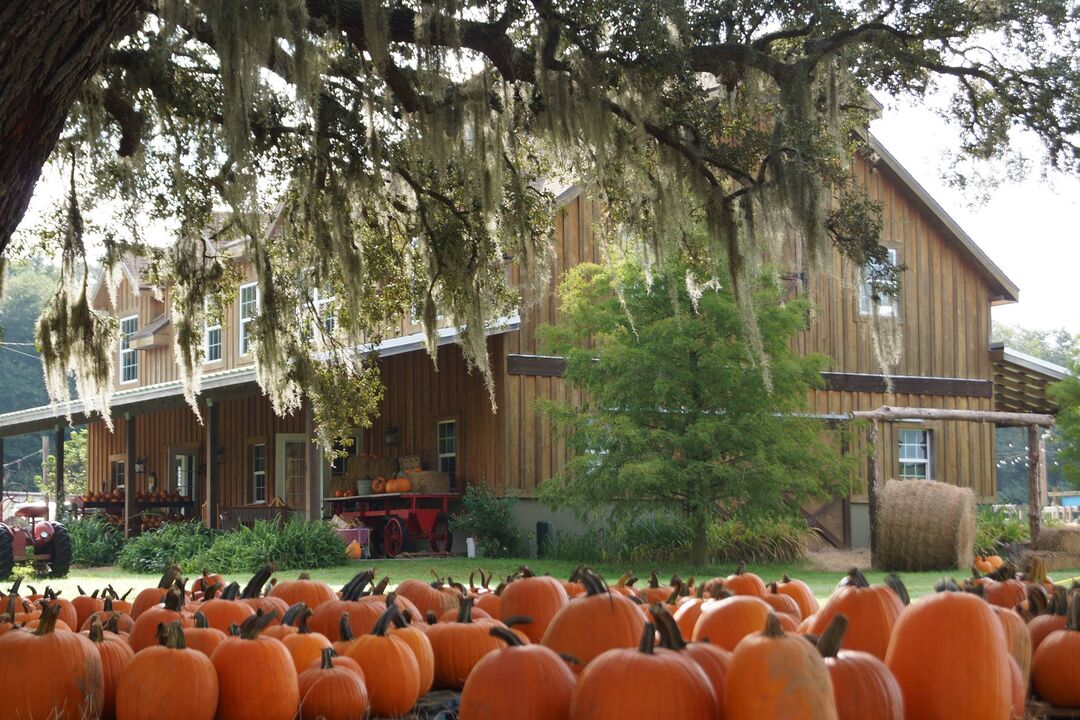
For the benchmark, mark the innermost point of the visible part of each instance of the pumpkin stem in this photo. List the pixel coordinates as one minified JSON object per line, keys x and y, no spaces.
{"x":47,"y":622}
{"x":1059,"y":603}
{"x":302,"y":626}
{"x":108,"y":606}
{"x":946,"y":585}
{"x":209,"y":591}
{"x":232,"y":592}
{"x":256,"y":624}
{"x":254,"y":587}
{"x":328,"y":655}
{"x":169,"y":577}
{"x":830,"y":641}
{"x":289,"y":618}
{"x":894,"y":583}
{"x":670,"y":635}
{"x":303,"y":576}
{"x":97,"y":633}
{"x":200,"y":620}
{"x":124,"y":596}
{"x":773,"y":628}
{"x":855,"y":578}
{"x":354,"y":589}
{"x":112,"y":624}
{"x":654,"y":581}
{"x":526,"y":572}
{"x":234,"y":630}
{"x":676,"y":592}
{"x":344,"y":628}
{"x":740,"y":568}
{"x":517,"y":620}
{"x":431,"y":618}
{"x":94,"y":594}
{"x":594,"y":584}
{"x":174,"y":600}
{"x":77,"y":587}
{"x":506,"y":635}
{"x":1037,"y":600}
{"x":381,"y":587}
{"x":174,"y":636}
{"x":457,"y":586}
{"x":648,"y":639}
{"x":465,"y":610}
{"x":384,"y":621}
{"x":1072,"y":620}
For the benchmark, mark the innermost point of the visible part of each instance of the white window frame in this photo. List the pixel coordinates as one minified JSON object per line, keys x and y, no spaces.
{"x":255,"y":500}
{"x":125,"y":350}
{"x":207,"y":329}
{"x":321,"y":303}
{"x":245,"y":342}
{"x":888,"y":305}
{"x":438,"y":444}
{"x":187,"y":459}
{"x":118,"y":471}
{"x":927,"y":462}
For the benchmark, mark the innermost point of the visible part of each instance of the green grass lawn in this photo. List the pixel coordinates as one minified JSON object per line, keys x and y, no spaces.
{"x":822,"y":583}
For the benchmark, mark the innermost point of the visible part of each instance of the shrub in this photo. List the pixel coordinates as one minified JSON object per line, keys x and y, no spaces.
{"x":998,"y":529}
{"x":154,"y":551}
{"x":94,"y":542}
{"x":296,"y":545}
{"x":758,"y":541}
{"x":490,"y":519}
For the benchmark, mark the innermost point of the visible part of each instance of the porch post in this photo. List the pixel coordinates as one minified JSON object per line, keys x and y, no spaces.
{"x":129,"y":475}
{"x":1036,"y":479}
{"x":873,"y":486}
{"x":212,"y":470}
{"x":314,"y":486}
{"x":61,"y":496}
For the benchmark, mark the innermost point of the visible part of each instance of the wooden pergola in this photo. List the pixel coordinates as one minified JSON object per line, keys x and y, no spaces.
{"x":1034,"y":422}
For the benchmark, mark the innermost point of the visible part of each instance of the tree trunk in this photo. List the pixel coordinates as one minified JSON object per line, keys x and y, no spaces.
{"x":699,"y":541}
{"x":48,"y":50}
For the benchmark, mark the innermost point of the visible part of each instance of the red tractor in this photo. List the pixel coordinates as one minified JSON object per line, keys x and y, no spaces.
{"x":34,"y":540}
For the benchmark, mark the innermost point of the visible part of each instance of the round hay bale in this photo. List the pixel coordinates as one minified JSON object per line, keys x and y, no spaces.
{"x":924,"y":525}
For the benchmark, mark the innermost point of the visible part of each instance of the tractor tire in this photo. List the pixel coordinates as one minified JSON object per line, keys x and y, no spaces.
{"x":59,"y":551}
{"x":7,"y":552}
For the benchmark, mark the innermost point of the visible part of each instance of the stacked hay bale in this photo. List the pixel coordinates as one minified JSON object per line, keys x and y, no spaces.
{"x":924,"y":525}
{"x":1059,"y":547}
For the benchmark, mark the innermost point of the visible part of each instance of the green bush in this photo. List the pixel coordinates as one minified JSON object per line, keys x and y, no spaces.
{"x":296,"y":545}
{"x":94,"y":542}
{"x":154,"y":551}
{"x":758,"y":542}
{"x":490,"y":519}
{"x":997,"y":529}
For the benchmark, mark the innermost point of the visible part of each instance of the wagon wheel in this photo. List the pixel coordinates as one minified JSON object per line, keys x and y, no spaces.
{"x":393,"y":537}
{"x":440,"y":536}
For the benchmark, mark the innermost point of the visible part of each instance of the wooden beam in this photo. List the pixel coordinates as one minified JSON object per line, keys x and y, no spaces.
{"x":1036,"y":480}
{"x":129,"y":475}
{"x":61,"y":495}
{"x":212,"y":470}
{"x":313,"y":461}
{"x":538,"y":365}
{"x":891,"y":414}
{"x":908,"y":384}
{"x":873,"y":485}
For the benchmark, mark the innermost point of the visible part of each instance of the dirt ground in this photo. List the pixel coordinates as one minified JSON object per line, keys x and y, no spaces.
{"x":832,"y":560}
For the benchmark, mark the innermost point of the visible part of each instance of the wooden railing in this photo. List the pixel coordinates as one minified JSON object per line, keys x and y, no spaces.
{"x":246,"y":515}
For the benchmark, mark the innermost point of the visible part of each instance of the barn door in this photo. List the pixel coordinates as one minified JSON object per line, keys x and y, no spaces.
{"x":292,"y":470}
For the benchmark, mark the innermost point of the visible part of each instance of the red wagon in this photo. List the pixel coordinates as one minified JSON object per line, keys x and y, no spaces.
{"x":394,"y":518}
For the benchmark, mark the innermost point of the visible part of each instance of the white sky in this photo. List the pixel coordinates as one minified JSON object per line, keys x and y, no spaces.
{"x":1029,"y":229}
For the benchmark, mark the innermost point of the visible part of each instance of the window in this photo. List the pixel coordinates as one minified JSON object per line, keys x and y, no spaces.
{"x":340,"y":461}
{"x":129,"y":359}
{"x":116,"y":473}
{"x":324,"y":305}
{"x":212,"y":337}
{"x":258,"y":472}
{"x":447,"y":436}
{"x":887,"y":304}
{"x":915,"y":454}
{"x":183,"y":467}
{"x":249,"y":308}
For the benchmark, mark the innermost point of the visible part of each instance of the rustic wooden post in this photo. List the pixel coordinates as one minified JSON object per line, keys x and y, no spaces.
{"x":61,"y":495}
{"x":313,"y":466}
{"x":1036,"y":479}
{"x":129,"y":476}
{"x":212,"y":470}
{"x":873,"y":486}
{"x":3,"y":472}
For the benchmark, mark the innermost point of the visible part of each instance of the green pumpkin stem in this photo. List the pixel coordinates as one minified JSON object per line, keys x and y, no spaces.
{"x":670,"y":635}
{"x":258,"y":581}
{"x":506,"y":635}
{"x":648,"y":639}
{"x":464,"y":614}
{"x":354,"y":589}
{"x":200,"y":620}
{"x":174,"y":636}
{"x":301,"y":624}
{"x":113,"y":623}
{"x":830,"y":641}
{"x":294,"y":611}
{"x":303,"y":576}
{"x":174,"y":600}
{"x":344,"y":628}
{"x":514,"y":620}
{"x":526,"y":572}
{"x":855,"y":578}
{"x":894,"y":583}
{"x":169,"y":577}
{"x":255,"y":624}
{"x":380,"y":588}
{"x":740,"y":568}
{"x":209,"y":591}
{"x":382,"y":626}
{"x":654,"y":581}
{"x":232,"y":592}
{"x":594,"y":584}
{"x":1072,"y":620}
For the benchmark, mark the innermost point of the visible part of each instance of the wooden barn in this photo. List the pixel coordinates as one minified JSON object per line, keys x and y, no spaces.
{"x":242,"y":461}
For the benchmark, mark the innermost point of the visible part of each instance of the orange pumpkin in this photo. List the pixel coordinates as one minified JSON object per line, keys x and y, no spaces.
{"x":862,"y":686}
{"x":801,"y":593}
{"x":871,"y":611}
{"x":418,"y":642}
{"x":363,"y":611}
{"x":1001,"y":588}
{"x":1017,"y":640}
{"x":256,"y":675}
{"x":427,"y":598}
{"x":536,"y":597}
{"x":115,"y":654}
{"x":393,"y":676}
{"x":1040,"y":626}
{"x":85,"y":605}
{"x":782,"y":603}
{"x":726,"y":622}
{"x":1055,"y":669}
{"x":123,"y":621}
{"x":774,"y":675}
{"x":150,"y":597}
{"x":398,"y":485}
{"x":378,"y":485}
{"x":745,"y":583}
{"x":938,"y":646}
{"x":458,"y":646}
{"x":202,"y":637}
{"x":330,"y":692}
{"x":168,"y":680}
{"x":305,"y":646}
{"x":312,"y":593}
{"x":526,"y":682}
{"x":144,"y":633}
{"x":594,"y":623}
{"x":205,"y":580}
{"x":713,"y":661}
{"x":59,"y":674}
{"x":650,"y":684}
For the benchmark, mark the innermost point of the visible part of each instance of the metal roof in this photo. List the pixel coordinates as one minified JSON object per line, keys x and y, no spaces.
{"x":1021,"y":380}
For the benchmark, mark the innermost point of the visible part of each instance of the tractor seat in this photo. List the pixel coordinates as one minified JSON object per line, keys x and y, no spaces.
{"x":32,"y":511}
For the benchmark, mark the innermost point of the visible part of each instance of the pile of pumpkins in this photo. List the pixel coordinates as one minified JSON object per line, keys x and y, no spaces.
{"x":113,"y":496}
{"x":393,"y":485}
{"x":538,"y":648}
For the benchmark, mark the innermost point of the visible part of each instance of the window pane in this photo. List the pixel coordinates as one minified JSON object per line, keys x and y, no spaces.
{"x":213,"y":344}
